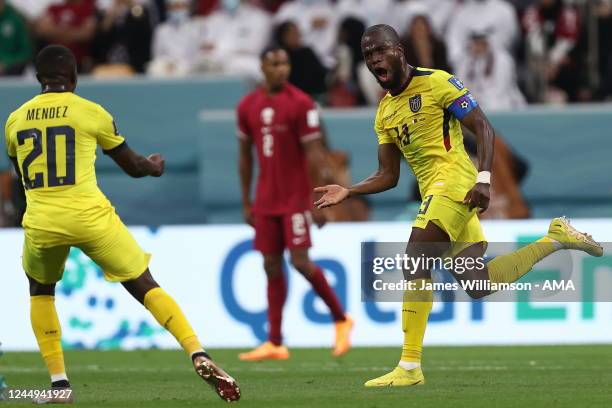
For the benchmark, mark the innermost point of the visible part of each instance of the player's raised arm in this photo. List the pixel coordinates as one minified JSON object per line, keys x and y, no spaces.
{"x":477,"y":122}
{"x":136,"y":165}
{"x":113,"y":144}
{"x":385,"y":178}
{"x":245,"y":170}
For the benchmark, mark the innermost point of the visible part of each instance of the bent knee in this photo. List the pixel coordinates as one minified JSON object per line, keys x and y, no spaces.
{"x":273,"y":265}
{"x":302,"y":264}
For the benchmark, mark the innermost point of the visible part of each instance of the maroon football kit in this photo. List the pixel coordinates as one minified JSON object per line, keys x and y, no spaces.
{"x":278,"y":125}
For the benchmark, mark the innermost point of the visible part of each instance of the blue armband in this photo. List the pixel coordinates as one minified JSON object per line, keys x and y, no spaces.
{"x":463,"y":105}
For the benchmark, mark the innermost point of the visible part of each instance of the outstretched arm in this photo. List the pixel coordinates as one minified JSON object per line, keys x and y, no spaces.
{"x":136,"y":165}
{"x":245,"y":169}
{"x":385,"y":178}
{"x":477,"y":122}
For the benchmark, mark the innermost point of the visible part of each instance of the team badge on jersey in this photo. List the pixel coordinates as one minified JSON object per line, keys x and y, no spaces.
{"x":456,"y":83}
{"x":267,"y":115}
{"x":415,"y":103}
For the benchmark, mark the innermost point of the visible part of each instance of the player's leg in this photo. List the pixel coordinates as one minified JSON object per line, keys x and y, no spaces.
{"x":276,"y":294}
{"x":561,"y":235}
{"x":168,"y":314}
{"x":269,"y":241}
{"x":165,"y":310}
{"x":510,"y":267}
{"x":314,"y":274}
{"x":122,"y":260}
{"x":430,"y":241}
{"x":44,"y":267}
{"x":296,"y":230}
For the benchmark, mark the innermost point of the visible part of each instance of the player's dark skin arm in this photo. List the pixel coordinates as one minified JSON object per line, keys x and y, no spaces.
{"x":477,"y":122}
{"x":385,"y":178}
{"x":136,"y":165}
{"x":245,"y":170}
{"x":16,"y":166}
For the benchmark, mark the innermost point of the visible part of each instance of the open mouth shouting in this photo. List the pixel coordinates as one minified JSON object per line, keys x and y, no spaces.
{"x":382,"y":74}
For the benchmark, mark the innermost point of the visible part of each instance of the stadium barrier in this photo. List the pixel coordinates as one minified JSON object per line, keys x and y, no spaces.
{"x":191,"y":122}
{"x":218,"y":279}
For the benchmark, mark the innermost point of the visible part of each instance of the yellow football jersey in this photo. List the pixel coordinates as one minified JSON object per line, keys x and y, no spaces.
{"x":423,"y":121}
{"x":54,"y":137}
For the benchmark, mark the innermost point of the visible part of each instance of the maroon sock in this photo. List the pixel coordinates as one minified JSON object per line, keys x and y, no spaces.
{"x":277,"y":292}
{"x":320,"y":285}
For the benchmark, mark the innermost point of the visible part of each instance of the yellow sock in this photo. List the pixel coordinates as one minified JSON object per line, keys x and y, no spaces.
{"x":168,"y":314}
{"x":511,"y":267}
{"x":48,"y":334}
{"x":415,"y":311}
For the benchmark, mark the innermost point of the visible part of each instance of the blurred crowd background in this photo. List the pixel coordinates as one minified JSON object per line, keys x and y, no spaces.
{"x":509,"y":52}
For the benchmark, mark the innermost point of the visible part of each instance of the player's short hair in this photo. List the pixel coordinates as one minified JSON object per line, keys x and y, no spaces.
{"x":55,"y":63}
{"x":271,"y":48}
{"x":385,"y":30}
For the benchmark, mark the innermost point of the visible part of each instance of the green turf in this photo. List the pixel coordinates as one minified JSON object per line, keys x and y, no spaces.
{"x":546,"y":376}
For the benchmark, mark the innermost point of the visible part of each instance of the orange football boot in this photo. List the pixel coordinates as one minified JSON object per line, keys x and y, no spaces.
{"x":267,"y":351}
{"x":343,"y":336}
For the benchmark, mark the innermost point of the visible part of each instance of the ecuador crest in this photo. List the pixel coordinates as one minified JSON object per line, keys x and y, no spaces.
{"x":415,"y":103}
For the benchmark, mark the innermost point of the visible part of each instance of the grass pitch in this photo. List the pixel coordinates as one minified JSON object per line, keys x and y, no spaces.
{"x":543,"y":376}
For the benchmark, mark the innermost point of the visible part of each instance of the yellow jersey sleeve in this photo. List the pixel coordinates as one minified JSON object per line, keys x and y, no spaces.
{"x":446,"y":88}
{"x":383,"y":136}
{"x":11,"y":149}
{"x":107,"y":137}
{"x":450,"y":93}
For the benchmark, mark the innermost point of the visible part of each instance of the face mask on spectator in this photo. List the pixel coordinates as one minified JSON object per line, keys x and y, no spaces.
{"x":178,"y":17}
{"x":231,"y":5}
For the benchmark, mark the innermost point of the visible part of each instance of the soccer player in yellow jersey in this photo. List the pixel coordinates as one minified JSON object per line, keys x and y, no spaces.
{"x":52,"y":141}
{"x":420,"y":118}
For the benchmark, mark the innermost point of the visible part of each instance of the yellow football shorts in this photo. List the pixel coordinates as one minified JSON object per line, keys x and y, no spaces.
{"x":109,"y":244}
{"x":462,"y":225}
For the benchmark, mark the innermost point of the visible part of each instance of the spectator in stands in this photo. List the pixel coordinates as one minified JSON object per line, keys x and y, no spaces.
{"x":422,"y":46}
{"x":604,"y":12}
{"x":235,"y":35}
{"x":318,"y":23}
{"x":205,"y":7}
{"x":32,"y":9}
{"x":367,"y":11}
{"x":123,"y":35}
{"x":344,"y":90}
{"x":15,"y":47}
{"x":271,"y":6}
{"x":71,"y":23}
{"x":439,"y":12}
{"x":489,"y":73}
{"x":176,"y":42}
{"x":496,"y":18}
{"x":307,"y":72}
{"x":552,"y":31}
{"x":155,"y":8}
